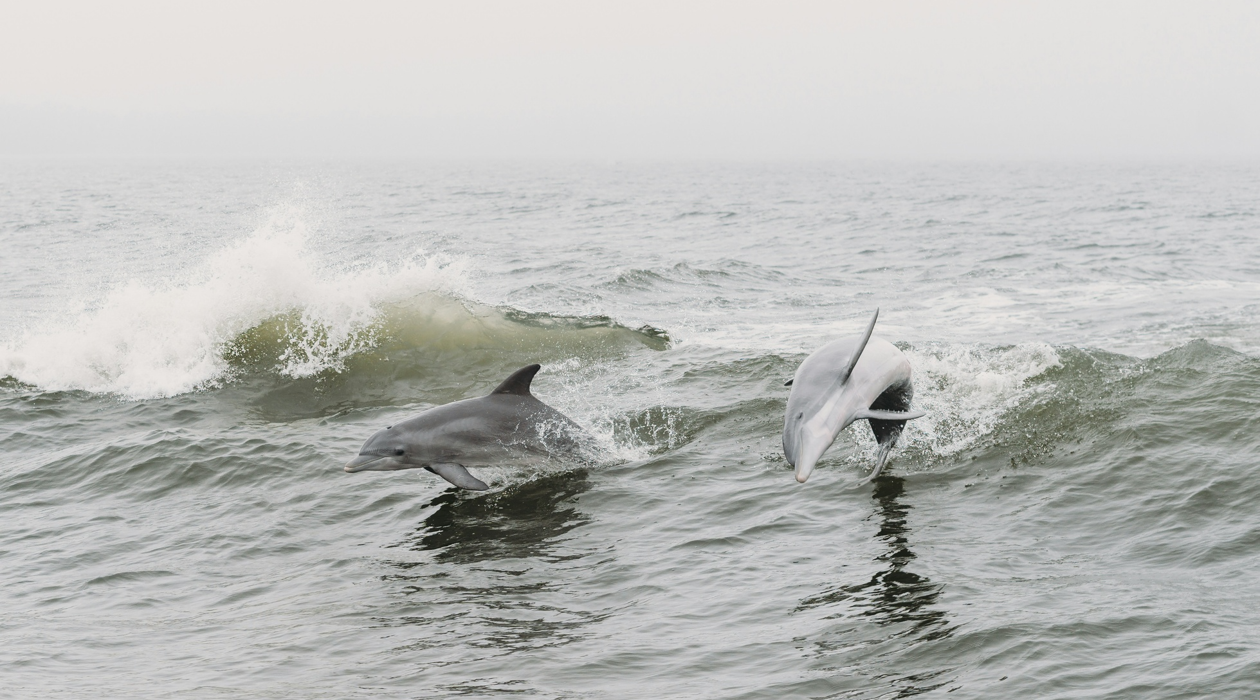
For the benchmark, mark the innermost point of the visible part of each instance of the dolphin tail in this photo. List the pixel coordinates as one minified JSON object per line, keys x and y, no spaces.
{"x":887,"y":426}
{"x":458,"y":475}
{"x":881,"y":458}
{"x":866,"y":338}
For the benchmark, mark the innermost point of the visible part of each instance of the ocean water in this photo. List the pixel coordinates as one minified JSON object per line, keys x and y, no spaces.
{"x":190,"y":351}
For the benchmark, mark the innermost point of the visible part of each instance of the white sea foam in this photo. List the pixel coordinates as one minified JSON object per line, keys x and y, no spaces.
{"x":965,"y":389}
{"x":147,"y":339}
{"x":599,"y":401}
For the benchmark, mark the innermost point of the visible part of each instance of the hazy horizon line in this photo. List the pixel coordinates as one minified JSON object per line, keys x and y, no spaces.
{"x":62,"y":131}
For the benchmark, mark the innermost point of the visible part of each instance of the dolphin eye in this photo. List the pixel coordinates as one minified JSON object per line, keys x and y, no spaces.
{"x":800,"y":415}
{"x":400,"y":452}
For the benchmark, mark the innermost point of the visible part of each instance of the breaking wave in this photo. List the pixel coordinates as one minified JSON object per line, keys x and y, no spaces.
{"x":268,"y":303}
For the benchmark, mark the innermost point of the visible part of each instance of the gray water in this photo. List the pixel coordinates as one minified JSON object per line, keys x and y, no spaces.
{"x":190,"y":352}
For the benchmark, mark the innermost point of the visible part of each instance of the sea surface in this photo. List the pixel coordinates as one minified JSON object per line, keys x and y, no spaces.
{"x":191,"y":351}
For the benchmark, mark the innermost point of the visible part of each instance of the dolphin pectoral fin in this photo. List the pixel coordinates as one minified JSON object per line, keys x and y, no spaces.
{"x":458,"y":475}
{"x":888,"y":415}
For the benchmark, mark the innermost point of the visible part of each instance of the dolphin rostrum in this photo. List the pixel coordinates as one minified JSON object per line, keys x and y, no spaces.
{"x":844,"y":381}
{"x":508,"y":425}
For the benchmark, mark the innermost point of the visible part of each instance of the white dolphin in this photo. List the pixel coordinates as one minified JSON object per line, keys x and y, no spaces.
{"x":844,"y":381}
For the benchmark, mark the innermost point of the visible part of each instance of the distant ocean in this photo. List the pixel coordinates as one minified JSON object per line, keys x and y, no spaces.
{"x":190,"y":351}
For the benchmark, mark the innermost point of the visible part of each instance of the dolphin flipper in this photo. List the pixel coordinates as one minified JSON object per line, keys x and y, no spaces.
{"x":458,"y":475}
{"x":888,"y":415}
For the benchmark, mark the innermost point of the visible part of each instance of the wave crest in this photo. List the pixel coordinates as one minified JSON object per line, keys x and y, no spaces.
{"x":267,"y":304}
{"x":147,"y":339}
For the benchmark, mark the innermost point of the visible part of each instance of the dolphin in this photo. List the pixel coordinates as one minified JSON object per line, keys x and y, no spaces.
{"x":507,"y":425}
{"x":844,"y":381}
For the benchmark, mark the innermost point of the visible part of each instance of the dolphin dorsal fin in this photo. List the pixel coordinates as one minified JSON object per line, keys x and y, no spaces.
{"x":518,"y":383}
{"x":866,"y":337}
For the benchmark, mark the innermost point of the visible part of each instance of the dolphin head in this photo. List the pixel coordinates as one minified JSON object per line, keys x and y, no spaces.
{"x":818,"y":408}
{"x":387,"y":450}
{"x":805,"y":439}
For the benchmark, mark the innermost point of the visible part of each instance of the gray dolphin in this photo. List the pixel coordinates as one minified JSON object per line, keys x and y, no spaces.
{"x":844,"y":381}
{"x":507,"y":426}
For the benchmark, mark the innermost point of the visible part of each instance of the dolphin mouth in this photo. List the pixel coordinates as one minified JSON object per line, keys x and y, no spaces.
{"x":808,"y":454}
{"x":362,"y":462}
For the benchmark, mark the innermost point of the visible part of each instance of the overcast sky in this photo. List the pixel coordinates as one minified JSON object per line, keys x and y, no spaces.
{"x":591,"y":79}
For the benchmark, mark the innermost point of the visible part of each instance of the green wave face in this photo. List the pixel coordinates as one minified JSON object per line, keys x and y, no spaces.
{"x":431,"y":348}
{"x":428,"y":326}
